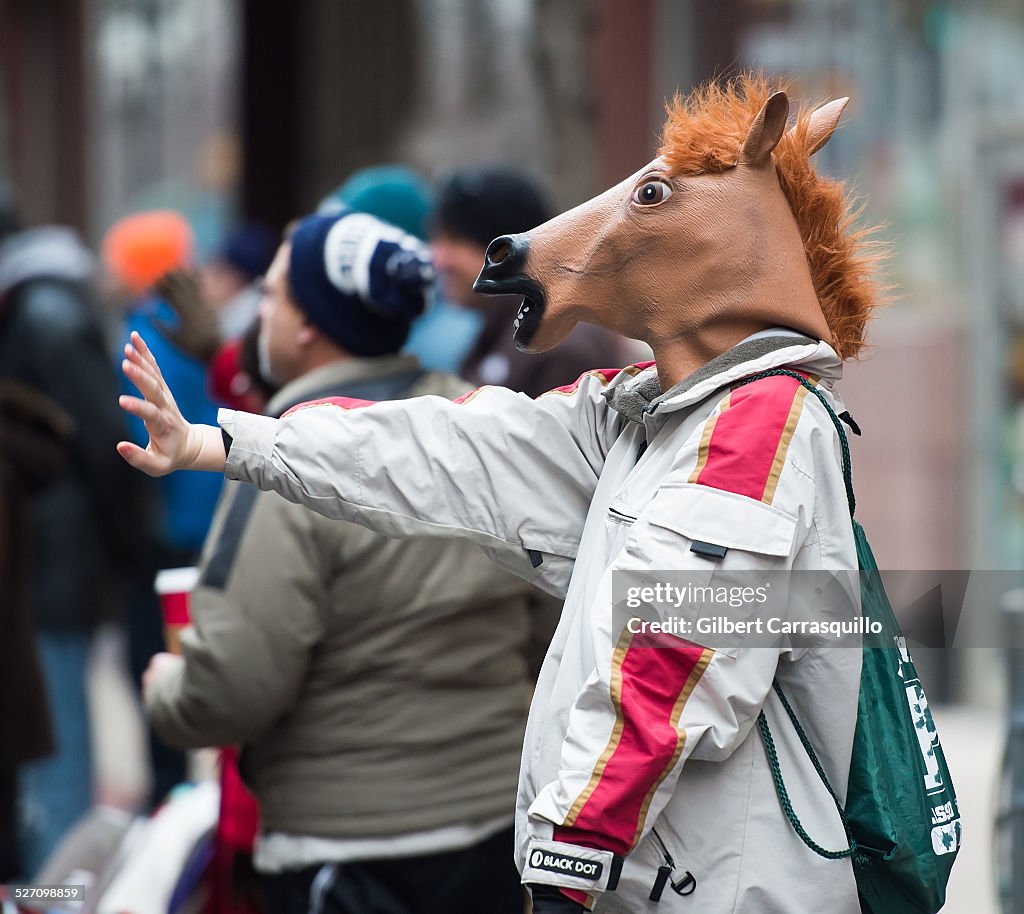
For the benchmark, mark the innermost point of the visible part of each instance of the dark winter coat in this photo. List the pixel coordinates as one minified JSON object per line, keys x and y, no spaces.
{"x":51,"y":339}
{"x":33,"y":455}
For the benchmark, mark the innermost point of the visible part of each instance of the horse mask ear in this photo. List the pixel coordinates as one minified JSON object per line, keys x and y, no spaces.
{"x":823,"y":123}
{"x":765,"y":131}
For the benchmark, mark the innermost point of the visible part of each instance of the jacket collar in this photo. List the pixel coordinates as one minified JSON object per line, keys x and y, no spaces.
{"x":769,"y":349}
{"x":336,"y":374}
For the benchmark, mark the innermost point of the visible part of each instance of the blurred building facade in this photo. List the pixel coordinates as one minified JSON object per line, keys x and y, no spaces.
{"x":221,"y":108}
{"x":116,"y":106}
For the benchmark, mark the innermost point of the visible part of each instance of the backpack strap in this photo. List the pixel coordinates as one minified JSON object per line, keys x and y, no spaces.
{"x":762,"y":722}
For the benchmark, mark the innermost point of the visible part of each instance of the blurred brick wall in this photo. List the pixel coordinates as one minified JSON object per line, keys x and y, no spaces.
{"x":43,"y":80}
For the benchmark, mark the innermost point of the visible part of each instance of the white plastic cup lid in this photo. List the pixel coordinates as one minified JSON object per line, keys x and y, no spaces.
{"x":176,"y":580}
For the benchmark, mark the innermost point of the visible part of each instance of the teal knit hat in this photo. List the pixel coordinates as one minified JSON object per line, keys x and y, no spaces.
{"x":393,"y":193}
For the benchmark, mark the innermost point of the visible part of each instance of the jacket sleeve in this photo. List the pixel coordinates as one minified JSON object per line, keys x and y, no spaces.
{"x":512,"y":474}
{"x":257,"y":612}
{"x":657,"y":698}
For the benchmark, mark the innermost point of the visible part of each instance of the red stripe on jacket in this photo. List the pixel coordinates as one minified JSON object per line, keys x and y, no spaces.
{"x":746,"y":436}
{"x":651,"y":682}
{"x":341,"y":402}
{"x":605,"y":375}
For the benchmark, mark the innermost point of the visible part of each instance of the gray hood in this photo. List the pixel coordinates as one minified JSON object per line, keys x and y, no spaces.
{"x":47,"y":252}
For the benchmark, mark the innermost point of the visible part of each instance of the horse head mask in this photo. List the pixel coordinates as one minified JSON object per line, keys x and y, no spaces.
{"x":728,"y":231}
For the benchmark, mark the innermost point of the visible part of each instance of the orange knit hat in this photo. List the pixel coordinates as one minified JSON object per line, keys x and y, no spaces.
{"x":140,"y":248}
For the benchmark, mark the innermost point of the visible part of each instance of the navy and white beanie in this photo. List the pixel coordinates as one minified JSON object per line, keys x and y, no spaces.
{"x":359,"y":280}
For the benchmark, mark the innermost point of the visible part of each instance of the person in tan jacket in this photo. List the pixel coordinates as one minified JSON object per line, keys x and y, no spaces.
{"x":378,"y":688}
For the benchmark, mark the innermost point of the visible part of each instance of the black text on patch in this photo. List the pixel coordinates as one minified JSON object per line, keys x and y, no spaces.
{"x":563,"y":863}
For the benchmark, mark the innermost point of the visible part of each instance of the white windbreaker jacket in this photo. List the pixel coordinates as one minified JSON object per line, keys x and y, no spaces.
{"x":643,"y":774}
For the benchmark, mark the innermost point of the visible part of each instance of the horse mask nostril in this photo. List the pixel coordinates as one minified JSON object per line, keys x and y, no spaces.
{"x":504,"y":265}
{"x":499,"y":249}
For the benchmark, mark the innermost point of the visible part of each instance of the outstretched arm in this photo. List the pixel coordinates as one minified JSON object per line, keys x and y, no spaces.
{"x":174,"y":443}
{"x":513,"y":474}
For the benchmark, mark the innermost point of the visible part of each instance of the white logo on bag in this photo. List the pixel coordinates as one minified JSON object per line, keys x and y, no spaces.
{"x":536,"y":858}
{"x":920,"y":713}
{"x":946,"y":838}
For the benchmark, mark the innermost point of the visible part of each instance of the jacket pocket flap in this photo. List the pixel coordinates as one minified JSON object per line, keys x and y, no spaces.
{"x":724,"y":518}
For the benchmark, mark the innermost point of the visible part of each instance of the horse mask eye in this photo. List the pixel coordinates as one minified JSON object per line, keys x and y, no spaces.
{"x":650,"y":193}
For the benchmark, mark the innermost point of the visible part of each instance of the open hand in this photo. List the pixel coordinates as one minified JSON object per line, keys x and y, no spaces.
{"x":174,"y":444}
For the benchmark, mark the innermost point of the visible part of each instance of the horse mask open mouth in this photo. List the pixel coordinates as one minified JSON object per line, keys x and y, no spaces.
{"x":504,"y":273}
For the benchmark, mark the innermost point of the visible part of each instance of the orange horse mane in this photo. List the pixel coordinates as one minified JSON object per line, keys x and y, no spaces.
{"x":703,"y":133}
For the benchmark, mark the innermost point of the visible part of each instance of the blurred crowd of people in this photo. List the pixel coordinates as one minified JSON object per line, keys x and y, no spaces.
{"x":369,"y":696}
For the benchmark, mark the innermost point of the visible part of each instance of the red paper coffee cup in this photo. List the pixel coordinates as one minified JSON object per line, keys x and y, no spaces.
{"x":173,"y":586}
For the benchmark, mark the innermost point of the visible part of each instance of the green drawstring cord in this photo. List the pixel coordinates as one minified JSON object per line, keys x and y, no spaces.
{"x":780,"y":786}
{"x":762,"y":722}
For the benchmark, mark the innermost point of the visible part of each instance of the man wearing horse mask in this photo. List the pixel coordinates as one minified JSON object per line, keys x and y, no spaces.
{"x":642,"y":776}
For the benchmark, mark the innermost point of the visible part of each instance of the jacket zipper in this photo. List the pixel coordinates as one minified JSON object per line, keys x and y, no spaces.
{"x":684,"y":886}
{"x":620,"y":518}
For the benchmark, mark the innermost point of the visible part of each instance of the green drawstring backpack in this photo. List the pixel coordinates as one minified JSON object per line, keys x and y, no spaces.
{"x":901,"y":815}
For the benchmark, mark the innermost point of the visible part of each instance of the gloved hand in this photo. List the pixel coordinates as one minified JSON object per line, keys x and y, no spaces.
{"x":198,"y":332}
{"x":549,"y":900}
